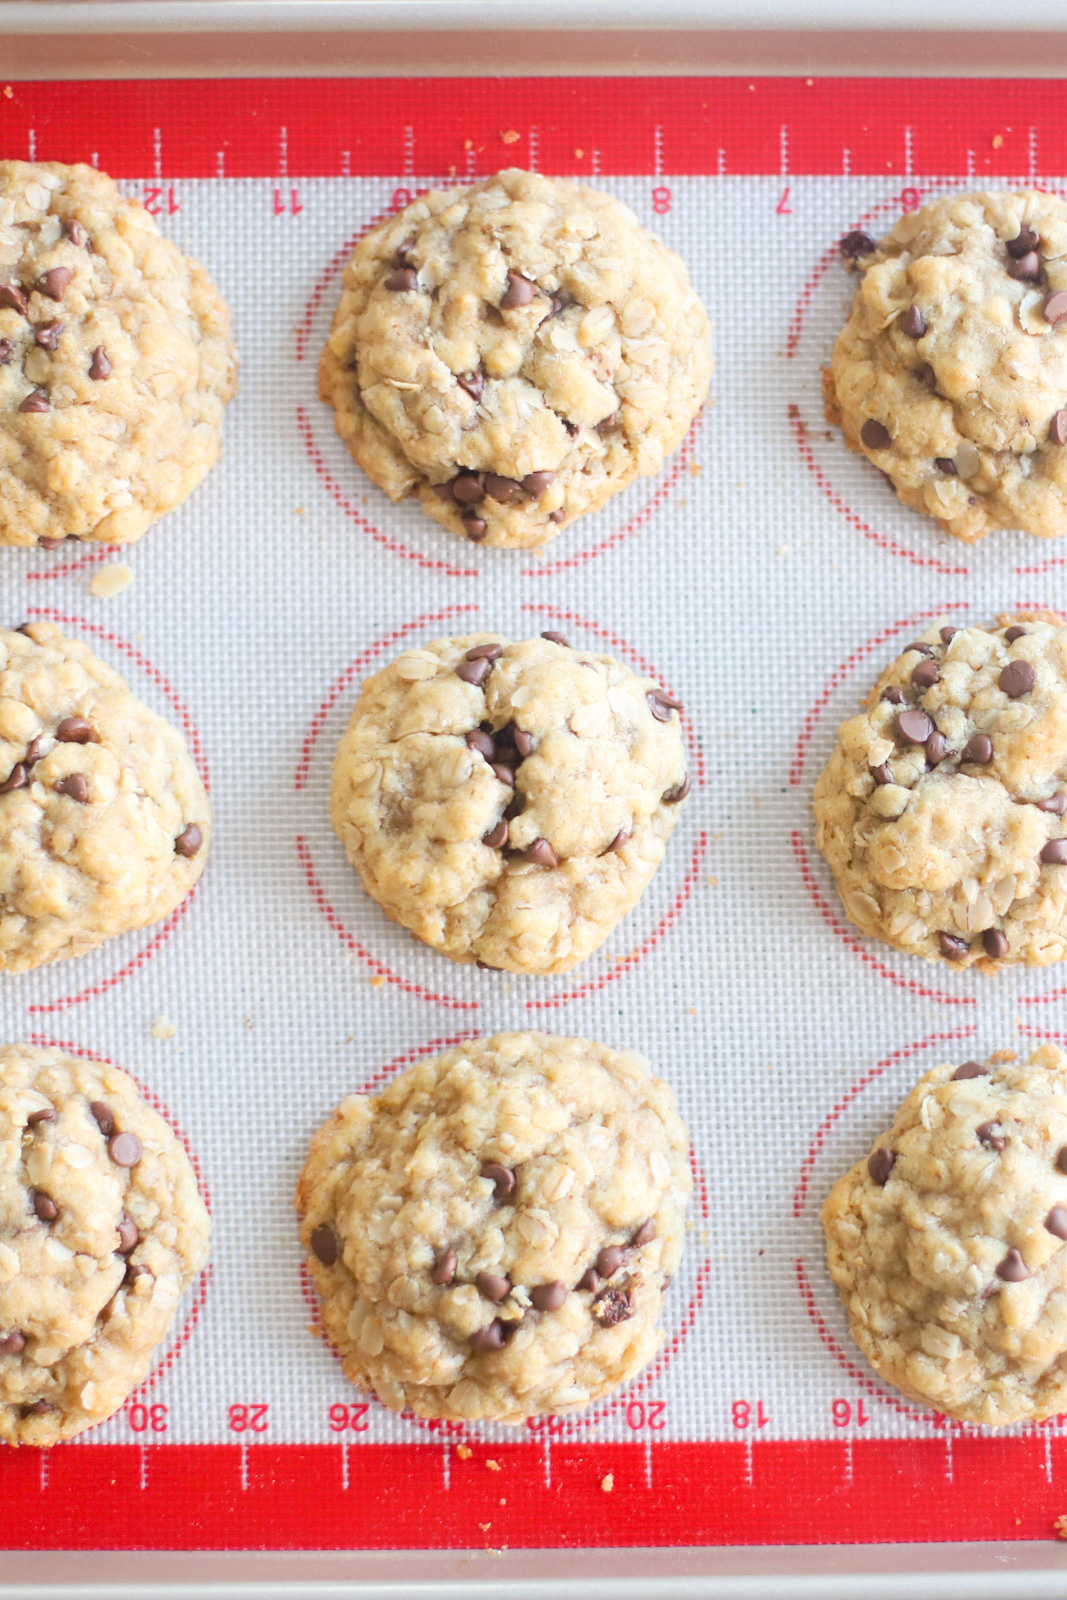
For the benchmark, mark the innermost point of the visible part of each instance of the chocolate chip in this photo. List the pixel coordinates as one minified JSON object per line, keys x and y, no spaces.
{"x":7,"y":350}
{"x":125,"y":1149}
{"x":443,"y":491}
{"x":856,"y":244}
{"x":493,"y":1286}
{"x":991,"y":1134}
{"x":129,"y":1234}
{"x":506,"y":491}
{"x":610,"y":1259}
{"x":467,"y":488}
{"x":474,"y":672}
{"x":875,"y":435}
{"x":103,"y":1116}
{"x":921,"y":645}
{"x":402,"y":281}
{"x":474,"y":526}
{"x":880,"y":1164}
{"x":1061,"y":1159}
{"x":74,"y":730}
{"x":952,"y":947}
{"x":502,"y":1178}
{"x":936,"y":748}
{"x":979,"y":749}
{"x":497,"y":837}
{"x":505,"y":774}
{"x":915,"y":726}
{"x":100,"y":366}
{"x":970,"y":1069}
{"x":324,"y":1245}
{"x":36,"y":403}
{"x":524,"y":743}
{"x":589,"y":1280}
{"x":485,"y":652}
{"x":548,"y":1296}
{"x":894,"y":695}
{"x":12,"y":1344}
{"x":881,"y":774}
{"x":673,"y":796}
{"x":55,"y":282}
{"x":556,"y":638}
{"x":188,"y":841}
{"x":1014,"y":632}
{"x":1054,"y":853}
{"x":45,"y":1206}
{"x":995,"y":943}
{"x":948,"y":634}
{"x":1056,"y":803}
{"x":75,"y":786}
{"x":483,"y":742}
{"x":519,"y":292}
{"x":12,"y":297}
{"x":913,"y":323}
{"x":926,"y":674}
{"x":473,"y":382}
{"x":37,"y":1408}
{"x":444,"y":1268}
{"x":645,"y":1233}
{"x":612,"y":1307}
{"x":33,"y":752}
{"x":1025,"y":269}
{"x":542,"y":854}
{"x":609,"y":425}
{"x":35,"y":1118}
{"x":1013,"y":1268}
{"x":17,"y":778}
{"x":1055,"y":307}
{"x":133,"y":1272}
{"x":661,"y":705}
{"x":1057,"y":428}
{"x":1017,"y":678}
{"x":489,"y":1338}
{"x":1056,"y":1222}
{"x":926,"y":375}
{"x":46,"y":334}
{"x":1025,"y":241}
{"x":51,"y":544}
{"x":535,"y":483}
{"x":76,"y":233}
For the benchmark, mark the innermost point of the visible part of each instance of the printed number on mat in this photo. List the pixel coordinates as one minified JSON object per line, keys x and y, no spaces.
{"x":145,"y":1419}
{"x":845,"y":1412}
{"x":748,"y":1413}
{"x":159,"y":199}
{"x":352,"y":1415}
{"x":645,"y":1414}
{"x":248,"y":1418}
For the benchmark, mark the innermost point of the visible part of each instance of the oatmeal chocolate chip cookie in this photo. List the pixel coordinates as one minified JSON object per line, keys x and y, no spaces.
{"x":947,"y":1242}
{"x":513,"y":354}
{"x":115,"y":361}
{"x":951,"y":372}
{"x":492,"y":1233}
{"x":508,"y":803}
{"x":943,"y":811}
{"x":101,"y":1232}
{"x":104,"y":822}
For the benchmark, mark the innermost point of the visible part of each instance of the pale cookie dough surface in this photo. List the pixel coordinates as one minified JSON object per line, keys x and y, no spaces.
{"x":491,"y":1234}
{"x":517,"y":351}
{"x":947,"y":1243}
{"x":941,"y":812}
{"x":101,"y":1232}
{"x":104,"y":820}
{"x":949,"y":375}
{"x":519,"y":858}
{"x":116,"y":361}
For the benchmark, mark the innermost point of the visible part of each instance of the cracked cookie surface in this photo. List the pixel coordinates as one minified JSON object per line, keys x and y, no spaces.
{"x":104,"y":819}
{"x":951,"y":372}
{"x":491,"y":1233}
{"x":102,"y":1230}
{"x":942,"y":810}
{"x":513,"y":354}
{"x":947,"y":1242}
{"x":116,"y":361}
{"x":508,"y":803}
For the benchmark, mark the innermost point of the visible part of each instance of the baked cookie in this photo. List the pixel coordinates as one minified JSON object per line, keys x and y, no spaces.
{"x":101,"y":1232}
{"x":942,"y":811}
{"x":115,"y":361}
{"x":104,"y":821}
{"x":947,"y":1242}
{"x":513,"y":354}
{"x":951,"y":372}
{"x":492,"y":1233}
{"x":508,"y":803}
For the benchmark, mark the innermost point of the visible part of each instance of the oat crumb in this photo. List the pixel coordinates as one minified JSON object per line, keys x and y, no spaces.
{"x":376,"y":983}
{"x":485,"y":1526}
{"x":111,"y":580}
{"x":494,"y":1466}
{"x":468,"y":144}
{"x":695,"y":469}
{"x":464,"y":1452}
{"x":784,"y":549}
{"x":163,"y":1028}
{"x":578,"y":154}
{"x":299,"y":511}
{"x":998,"y":140}
{"x":712,"y":881}
{"x":509,"y":136}
{"x":607,"y":1483}
{"x":1004,"y":1055}
{"x":8,"y":91}
{"x":1060,"y":1526}
{"x":503,"y":1502}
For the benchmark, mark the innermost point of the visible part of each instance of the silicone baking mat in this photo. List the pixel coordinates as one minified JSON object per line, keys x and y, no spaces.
{"x":766,"y":577}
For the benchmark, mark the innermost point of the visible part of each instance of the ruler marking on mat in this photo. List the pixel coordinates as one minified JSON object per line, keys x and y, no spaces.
{"x":45,"y":1454}
{"x":220,"y":163}
{"x":409,"y":151}
{"x":1048,"y":1456}
{"x":848,"y":1461}
{"x":31,"y":141}
{"x":532,"y":149}
{"x":446,"y":1465}
{"x":157,"y":152}
{"x":846,"y":161}
{"x":749,"y":1463}
{"x":344,"y":1467}
{"x":783,"y":150}
{"x":1031,"y":154}
{"x":648,"y":1463}
{"x":244,"y":1469}
{"x":657,"y":147}
{"x":283,"y":152}
{"x":949,"y":1470}
{"x":546,"y":1461}
{"x":908,"y":151}
{"x":143,"y":1450}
